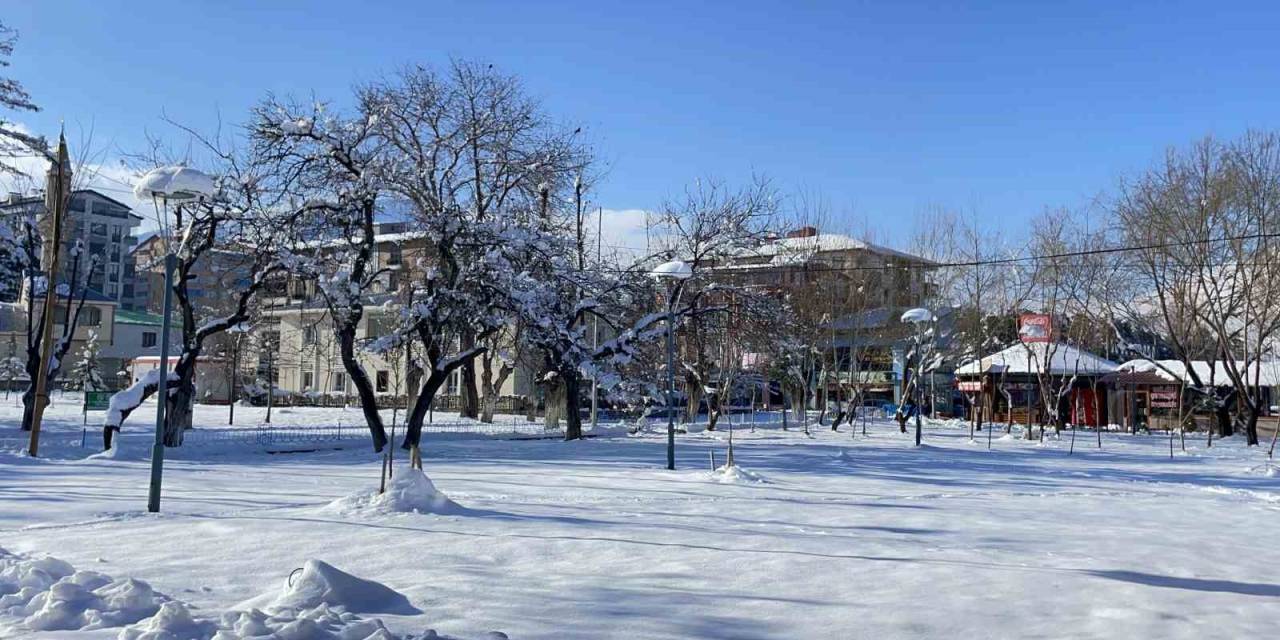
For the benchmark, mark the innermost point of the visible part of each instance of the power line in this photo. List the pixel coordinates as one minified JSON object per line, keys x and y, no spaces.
{"x":925,"y":264}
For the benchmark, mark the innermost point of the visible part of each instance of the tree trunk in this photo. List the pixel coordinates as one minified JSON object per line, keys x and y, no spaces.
{"x":346,"y":336}
{"x":491,"y":388}
{"x":488,"y":406}
{"x":572,"y":401}
{"x":1222,"y":414}
{"x":713,"y":410}
{"x":177,"y":412}
{"x":470,"y":405}
{"x":693,"y":397}
{"x":553,"y":402}
{"x":1251,"y":426}
{"x":418,"y":411}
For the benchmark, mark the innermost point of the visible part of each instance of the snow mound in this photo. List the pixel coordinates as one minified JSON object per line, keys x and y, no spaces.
{"x":733,"y":474}
{"x":1267,"y":470}
{"x":843,"y":457}
{"x":321,"y":584}
{"x":410,"y":491}
{"x":172,"y":622}
{"x":317,"y":602}
{"x":175,"y":622}
{"x":47,"y":594}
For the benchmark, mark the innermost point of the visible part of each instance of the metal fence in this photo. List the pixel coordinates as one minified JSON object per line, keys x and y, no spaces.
{"x":271,"y":435}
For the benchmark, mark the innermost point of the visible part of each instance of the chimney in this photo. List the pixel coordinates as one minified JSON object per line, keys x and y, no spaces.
{"x":802,"y":232}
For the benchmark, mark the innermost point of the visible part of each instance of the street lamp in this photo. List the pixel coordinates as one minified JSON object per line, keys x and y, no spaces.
{"x":167,"y":184}
{"x":919,"y":317}
{"x":673,"y":273}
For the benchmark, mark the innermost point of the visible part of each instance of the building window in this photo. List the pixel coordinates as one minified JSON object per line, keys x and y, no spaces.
{"x":148,"y":338}
{"x":308,"y":335}
{"x":92,"y":316}
{"x":339,"y":382}
{"x":308,"y":379}
{"x":383,"y":381}
{"x":113,"y":273}
{"x":451,"y":385}
{"x":394,"y":255}
{"x":112,"y":290}
{"x":98,"y":229}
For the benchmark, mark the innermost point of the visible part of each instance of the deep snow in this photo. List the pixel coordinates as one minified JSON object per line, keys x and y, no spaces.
{"x":849,"y":536}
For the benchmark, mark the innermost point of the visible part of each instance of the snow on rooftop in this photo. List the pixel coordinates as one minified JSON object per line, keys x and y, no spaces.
{"x":784,"y":250}
{"x":1267,"y":374}
{"x":1031,"y":358}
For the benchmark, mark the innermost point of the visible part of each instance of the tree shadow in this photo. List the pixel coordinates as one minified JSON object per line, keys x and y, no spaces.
{"x":1193,"y":584}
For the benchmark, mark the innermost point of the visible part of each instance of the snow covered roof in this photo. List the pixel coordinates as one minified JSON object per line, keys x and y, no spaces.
{"x":1266,"y":373}
{"x":792,"y":250}
{"x":379,"y":238}
{"x":1031,"y":358}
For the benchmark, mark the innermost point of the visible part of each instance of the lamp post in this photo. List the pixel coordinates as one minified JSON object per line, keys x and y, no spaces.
{"x":918,"y":317}
{"x":167,"y":184}
{"x":673,"y":273}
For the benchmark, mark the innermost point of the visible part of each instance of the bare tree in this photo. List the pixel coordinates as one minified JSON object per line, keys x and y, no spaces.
{"x":708,"y":225}
{"x":251,"y":213}
{"x":13,"y":97}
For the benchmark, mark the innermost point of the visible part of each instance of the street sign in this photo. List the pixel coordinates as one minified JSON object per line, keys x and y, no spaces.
{"x":97,"y":400}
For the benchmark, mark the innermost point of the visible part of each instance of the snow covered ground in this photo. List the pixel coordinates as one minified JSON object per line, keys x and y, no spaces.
{"x":829,"y":536}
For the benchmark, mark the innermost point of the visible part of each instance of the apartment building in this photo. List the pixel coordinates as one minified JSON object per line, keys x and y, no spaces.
{"x":105,"y":226}
{"x":214,"y":273}
{"x":860,"y":287}
{"x":293,"y":339}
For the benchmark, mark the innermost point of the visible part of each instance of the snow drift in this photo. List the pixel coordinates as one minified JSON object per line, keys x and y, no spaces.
{"x":47,"y":594}
{"x":733,"y":474}
{"x":320,"y":583}
{"x":410,"y":491}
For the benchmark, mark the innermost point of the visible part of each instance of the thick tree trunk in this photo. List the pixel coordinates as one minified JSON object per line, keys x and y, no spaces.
{"x":713,"y":410}
{"x":418,"y":411}
{"x":177,"y":416}
{"x":1222,"y":414}
{"x":488,"y":406}
{"x":346,"y":336}
{"x":572,"y":401}
{"x":553,"y":402}
{"x":470,"y":405}
{"x":693,"y":398}
{"x":491,"y":388}
{"x":1251,"y":427}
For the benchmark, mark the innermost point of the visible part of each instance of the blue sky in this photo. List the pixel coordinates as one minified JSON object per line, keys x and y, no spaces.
{"x":885,"y":108}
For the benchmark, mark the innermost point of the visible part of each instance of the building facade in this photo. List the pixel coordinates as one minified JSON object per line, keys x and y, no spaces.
{"x":105,"y":227}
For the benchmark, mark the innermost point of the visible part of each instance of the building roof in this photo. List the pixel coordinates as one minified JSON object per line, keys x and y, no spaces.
{"x":794,"y":250}
{"x":92,"y":295}
{"x":125,"y":316}
{"x":38,"y":198}
{"x":1267,"y":373}
{"x":1031,"y":358}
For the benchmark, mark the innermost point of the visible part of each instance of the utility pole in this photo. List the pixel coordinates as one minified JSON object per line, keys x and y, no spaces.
{"x":57,"y":191}
{"x":235,"y":368}
{"x":595,"y":326}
